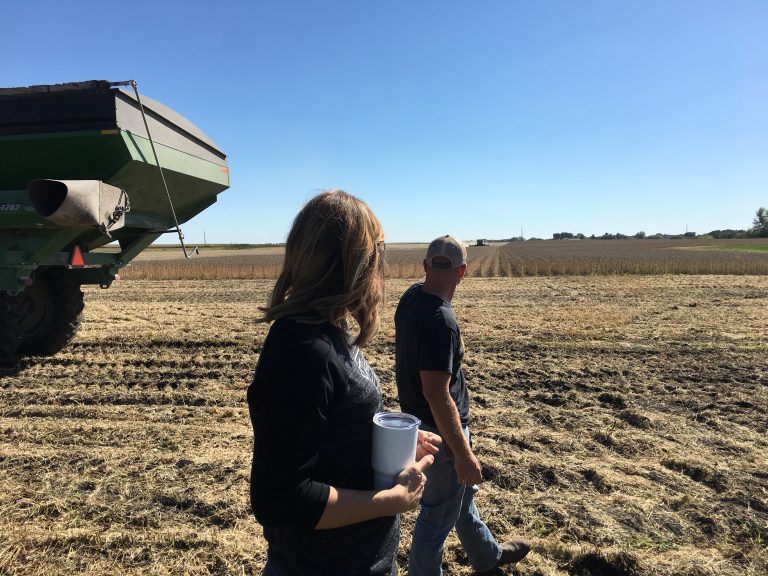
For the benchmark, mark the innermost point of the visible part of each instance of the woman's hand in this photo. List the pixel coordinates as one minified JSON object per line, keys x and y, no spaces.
{"x":345,"y":507}
{"x":410,"y":482}
{"x":409,"y":486}
{"x":427,"y":443}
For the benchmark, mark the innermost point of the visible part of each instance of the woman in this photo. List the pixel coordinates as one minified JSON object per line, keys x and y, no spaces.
{"x":313,"y":398}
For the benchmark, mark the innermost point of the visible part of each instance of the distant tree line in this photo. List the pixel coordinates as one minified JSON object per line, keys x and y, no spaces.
{"x":759,"y":229}
{"x":619,"y":236}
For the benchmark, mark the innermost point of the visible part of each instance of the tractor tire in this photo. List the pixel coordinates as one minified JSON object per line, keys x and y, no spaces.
{"x":54,"y":313}
{"x":12,"y":310}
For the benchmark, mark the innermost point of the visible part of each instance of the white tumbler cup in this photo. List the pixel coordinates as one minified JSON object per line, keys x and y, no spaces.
{"x":394,"y":446}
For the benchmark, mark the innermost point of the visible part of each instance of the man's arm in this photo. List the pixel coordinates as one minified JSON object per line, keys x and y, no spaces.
{"x":435,"y":386}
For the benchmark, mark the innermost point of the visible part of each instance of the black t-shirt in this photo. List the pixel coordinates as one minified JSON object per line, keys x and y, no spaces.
{"x":311,"y":404}
{"x":427,"y":337}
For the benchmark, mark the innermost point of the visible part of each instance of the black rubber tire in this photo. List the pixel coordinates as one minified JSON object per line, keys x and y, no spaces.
{"x":12,"y":310}
{"x":54,"y":315}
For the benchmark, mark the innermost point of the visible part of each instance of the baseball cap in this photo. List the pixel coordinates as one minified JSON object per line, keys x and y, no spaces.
{"x":446,"y":253}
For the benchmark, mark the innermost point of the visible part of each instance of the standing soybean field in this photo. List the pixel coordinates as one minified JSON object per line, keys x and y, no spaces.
{"x":621,"y":421}
{"x":607,"y":257}
{"x":529,"y":258}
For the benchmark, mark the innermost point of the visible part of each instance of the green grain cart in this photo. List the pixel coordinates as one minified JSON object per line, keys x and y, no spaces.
{"x":83,"y":165}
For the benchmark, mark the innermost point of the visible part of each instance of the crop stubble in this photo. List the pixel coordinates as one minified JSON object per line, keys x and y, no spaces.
{"x":621,"y":423}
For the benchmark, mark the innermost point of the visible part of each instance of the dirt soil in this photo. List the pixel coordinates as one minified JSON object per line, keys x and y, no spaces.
{"x":622,"y":423}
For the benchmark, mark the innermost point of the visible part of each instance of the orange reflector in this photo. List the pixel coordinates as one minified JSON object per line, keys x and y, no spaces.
{"x":77,"y":258}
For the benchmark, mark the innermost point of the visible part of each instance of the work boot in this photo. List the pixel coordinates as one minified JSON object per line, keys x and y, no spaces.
{"x":9,"y":368}
{"x":511,"y":552}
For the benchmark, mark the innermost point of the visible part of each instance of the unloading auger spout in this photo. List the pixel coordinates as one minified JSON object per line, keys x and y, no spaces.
{"x":80,"y":203}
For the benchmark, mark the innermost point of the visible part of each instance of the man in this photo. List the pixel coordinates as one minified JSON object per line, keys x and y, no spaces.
{"x":431,"y":386}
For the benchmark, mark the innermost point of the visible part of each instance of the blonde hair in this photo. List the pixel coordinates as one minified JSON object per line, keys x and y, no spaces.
{"x":334,"y":265}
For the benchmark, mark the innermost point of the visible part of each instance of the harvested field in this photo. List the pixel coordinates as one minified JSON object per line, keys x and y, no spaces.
{"x":622,"y":422}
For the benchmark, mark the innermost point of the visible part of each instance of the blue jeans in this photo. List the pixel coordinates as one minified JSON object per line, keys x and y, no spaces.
{"x":270,"y":569}
{"x":446,"y":504}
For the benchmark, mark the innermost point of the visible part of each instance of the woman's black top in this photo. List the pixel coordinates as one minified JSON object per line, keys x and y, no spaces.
{"x":311,"y":403}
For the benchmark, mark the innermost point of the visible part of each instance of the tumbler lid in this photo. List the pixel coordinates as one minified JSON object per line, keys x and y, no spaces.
{"x":399,"y":420}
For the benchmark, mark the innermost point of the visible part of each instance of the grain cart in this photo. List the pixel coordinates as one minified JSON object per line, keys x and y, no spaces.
{"x":83,"y":165}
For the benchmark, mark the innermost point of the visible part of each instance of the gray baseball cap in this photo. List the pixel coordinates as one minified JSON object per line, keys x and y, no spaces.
{"x":446,"y":253}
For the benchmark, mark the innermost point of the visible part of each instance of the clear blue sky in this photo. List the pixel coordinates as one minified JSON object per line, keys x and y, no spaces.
{"x":470,"y":118}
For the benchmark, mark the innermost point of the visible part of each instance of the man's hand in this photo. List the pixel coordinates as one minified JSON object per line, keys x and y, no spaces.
{"x":468,"y":471}
{"x":427,"y":443}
